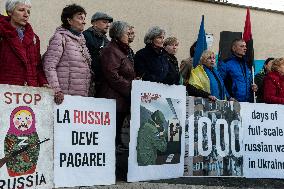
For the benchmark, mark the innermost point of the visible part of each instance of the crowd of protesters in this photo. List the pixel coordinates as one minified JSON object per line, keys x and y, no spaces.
{"x":85,"y":63}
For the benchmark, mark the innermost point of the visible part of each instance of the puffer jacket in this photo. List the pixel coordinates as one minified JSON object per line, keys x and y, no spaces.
{"x":20,"y":60}
{"x":67,"y":63}
{"x":273,"y":88}
{"x":237,"y":78}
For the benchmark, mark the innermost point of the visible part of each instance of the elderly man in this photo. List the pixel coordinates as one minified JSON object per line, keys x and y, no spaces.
{"x":96,"y":39}
{"x":236,"y":73}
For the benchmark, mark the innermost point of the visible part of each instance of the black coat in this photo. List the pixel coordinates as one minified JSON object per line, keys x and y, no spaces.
{"x":151,"y":64}
{"x":95,"y":41}
{"x":173,"y":76}
{"x":193,"y":91}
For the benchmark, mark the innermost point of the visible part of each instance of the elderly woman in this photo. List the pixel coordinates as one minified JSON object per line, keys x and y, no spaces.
{"x":67,"y":59}
{"x":151,"y":63}
{"x":19,"y":47}
{"x":118,"y":71}
{"x":205,"y":80}
{"x":260,"y":77}
{"x":273,"y":86}
{"x":171,"y":47}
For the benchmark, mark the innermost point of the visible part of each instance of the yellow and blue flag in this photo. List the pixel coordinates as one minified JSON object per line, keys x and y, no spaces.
{"x":201,"y":44}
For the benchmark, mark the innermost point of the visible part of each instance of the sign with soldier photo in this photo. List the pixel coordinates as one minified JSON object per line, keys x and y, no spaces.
{"x":26,"y":137}
{"x":214,"y":138}
{"x":156,"y":147}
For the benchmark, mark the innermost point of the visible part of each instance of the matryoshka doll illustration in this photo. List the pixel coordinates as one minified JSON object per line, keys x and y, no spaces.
{"x":22,"y":132}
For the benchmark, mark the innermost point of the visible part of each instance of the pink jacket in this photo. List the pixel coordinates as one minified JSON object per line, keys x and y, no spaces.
{"x":67,"y":63}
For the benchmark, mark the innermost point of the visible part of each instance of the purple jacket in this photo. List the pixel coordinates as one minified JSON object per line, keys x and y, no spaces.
{"x":67,"y":63}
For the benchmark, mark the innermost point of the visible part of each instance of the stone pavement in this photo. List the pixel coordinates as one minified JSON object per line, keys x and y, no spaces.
{"x":197,"y":183}
{"x":153,"y":186}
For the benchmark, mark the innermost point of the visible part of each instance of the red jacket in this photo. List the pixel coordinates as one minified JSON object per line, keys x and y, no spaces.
{"x":273,"y":88}
{"x":20,"y":62}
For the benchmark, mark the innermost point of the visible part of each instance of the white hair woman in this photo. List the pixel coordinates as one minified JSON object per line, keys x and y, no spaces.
{"x":19,"y":47}
{"x":205,"y":77}
{"x":118,"y":71}
{"x":117,"y":76}
{"x":151,"y":63}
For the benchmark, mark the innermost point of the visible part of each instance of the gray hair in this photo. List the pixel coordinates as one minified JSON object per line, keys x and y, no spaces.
{"x":117,"y":29}
{"x":152,"y":33}
{"x":11,"y":4}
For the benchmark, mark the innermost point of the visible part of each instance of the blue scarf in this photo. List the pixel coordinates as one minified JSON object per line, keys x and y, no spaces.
{"x":217,"y":87}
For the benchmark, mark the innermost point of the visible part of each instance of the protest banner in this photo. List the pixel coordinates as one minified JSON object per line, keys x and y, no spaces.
{"x":156,"y":149}
{"x":26,"y":137}
{"x":263,"y":140}
{"x":84,"y":151}
{"x":213,"y":146}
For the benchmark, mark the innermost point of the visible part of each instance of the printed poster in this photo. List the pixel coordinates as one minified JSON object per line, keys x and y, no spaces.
{"x":263,"y":140}
{"x":84,"y":148}
{"x":26,"y":137}
{"x":213,"y":138}
{"x":156,"y":149}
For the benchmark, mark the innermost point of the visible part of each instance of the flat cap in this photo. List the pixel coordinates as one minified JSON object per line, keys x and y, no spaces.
{"x":101,"y":16}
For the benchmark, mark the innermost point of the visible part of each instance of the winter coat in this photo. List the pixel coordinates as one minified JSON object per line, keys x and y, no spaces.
{"x":258,"y":79}
{"x":193,"y":91}
{"x":237,"y":78}
{"x":273,"y":88}
{"x":95,"y":41}
{"x":20,"y":60}
{"x":117,"y":75}
{"x":151,"y":64}
{"x":67,"y":63}
{"x":173,"y":76}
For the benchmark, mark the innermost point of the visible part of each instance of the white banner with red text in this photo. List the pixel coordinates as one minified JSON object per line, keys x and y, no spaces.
{"x":84,"y":135}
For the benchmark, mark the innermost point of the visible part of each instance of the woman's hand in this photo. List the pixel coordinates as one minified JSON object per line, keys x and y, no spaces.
{"x":212,"y":98}
{"x":58,"y":97}
{"x":254,"y":87}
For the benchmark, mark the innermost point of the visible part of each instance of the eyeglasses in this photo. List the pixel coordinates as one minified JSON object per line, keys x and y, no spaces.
{"x":211,"y":58}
